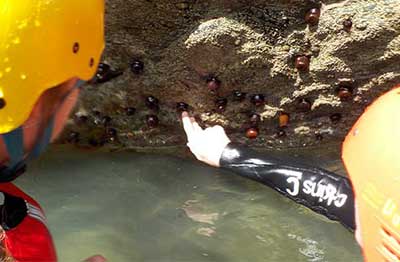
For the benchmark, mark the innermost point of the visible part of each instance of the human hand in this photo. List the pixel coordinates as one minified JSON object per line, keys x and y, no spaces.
{"x":206,"y":144}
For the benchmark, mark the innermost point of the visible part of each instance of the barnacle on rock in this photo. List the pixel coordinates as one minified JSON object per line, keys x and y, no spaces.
{"x":252,"y":133}
{"x":312,"y":16}
{"x":181,"y":107}
{"x":302,"y":63}
{"x":152,"y":102}
{"x":213,"y":83}
{"x":283,"y":119}
{"x":258,"y":99}
{"x":137,"y":67}
{"x":304,"y":105}
{"x":152,"y":121}
{"x":104,"y":74}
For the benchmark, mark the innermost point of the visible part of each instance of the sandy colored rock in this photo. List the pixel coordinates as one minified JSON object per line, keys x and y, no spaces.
{"x":249,"y":46}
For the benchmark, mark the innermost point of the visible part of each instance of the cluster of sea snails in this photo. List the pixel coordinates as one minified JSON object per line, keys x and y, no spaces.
{"x":109,"y":134}
{"x":213,"y":83}
{"x":302,"y":64}
{"x":104,"y":74}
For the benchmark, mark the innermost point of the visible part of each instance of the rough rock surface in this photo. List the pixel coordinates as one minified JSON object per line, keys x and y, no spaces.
{"x":251,"y":46}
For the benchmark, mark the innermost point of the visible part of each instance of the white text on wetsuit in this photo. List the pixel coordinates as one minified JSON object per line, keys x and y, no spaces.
{"x":324,"y":192}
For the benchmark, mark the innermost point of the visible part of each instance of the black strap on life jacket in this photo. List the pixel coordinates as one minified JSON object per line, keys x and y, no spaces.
{"x":10,"y":174}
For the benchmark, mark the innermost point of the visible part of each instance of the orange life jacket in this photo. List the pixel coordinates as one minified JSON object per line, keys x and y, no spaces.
{"x":371,"y":154}
{"x":30,"y":241}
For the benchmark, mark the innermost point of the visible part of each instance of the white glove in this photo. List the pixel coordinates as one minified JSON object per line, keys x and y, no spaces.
{"x":206,"y":144}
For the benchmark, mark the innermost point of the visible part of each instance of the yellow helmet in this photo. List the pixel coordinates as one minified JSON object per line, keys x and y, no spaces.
{"x":43,"y":43}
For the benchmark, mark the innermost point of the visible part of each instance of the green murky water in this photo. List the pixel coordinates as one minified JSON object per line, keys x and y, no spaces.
{"x":136,"y":207}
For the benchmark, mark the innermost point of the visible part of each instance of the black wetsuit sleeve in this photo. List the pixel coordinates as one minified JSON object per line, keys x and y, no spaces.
{"x":320,"y":190}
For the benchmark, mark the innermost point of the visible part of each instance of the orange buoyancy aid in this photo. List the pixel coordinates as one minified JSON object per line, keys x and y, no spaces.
{"x":30,"y":241}
{"x":371,"y":154}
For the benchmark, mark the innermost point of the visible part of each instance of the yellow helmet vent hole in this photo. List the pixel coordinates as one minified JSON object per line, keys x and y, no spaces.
{"x":2,"y":103}
{"x":75,"y":48}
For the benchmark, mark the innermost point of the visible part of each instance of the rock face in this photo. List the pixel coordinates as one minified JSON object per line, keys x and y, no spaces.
{"x":320,"y":75}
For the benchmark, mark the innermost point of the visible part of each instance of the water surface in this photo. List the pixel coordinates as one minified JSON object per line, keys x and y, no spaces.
{"x":139,"y":207}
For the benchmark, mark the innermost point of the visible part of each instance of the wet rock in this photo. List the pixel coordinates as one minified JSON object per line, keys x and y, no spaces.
{"x":182,"y":5}
{"x":172,"y":48}
{"x":302,"y":130}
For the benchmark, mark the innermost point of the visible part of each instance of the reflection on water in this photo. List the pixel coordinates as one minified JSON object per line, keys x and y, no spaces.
{"x":136,"y":207}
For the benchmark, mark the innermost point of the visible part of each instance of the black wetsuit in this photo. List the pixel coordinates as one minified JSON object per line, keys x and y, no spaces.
{"x":320,"y":190}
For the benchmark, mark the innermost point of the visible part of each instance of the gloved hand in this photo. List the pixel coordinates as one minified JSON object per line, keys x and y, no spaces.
{"x":206,"y":144}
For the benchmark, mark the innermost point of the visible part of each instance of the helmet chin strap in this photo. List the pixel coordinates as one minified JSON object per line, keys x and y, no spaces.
{"x":44,"y":141}
{"x":14,"y":142}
